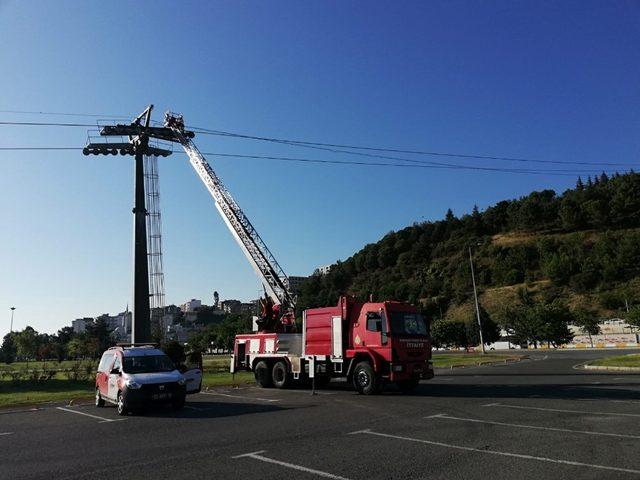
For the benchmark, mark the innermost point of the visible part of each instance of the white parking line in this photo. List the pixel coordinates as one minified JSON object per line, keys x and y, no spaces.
{"x":92,"y":416}
{"x":497,"y":452}
{"x":444,"y":416}
{"x":257,"y":456}
{"x":615,"y":414}
{"x":244,"y":397}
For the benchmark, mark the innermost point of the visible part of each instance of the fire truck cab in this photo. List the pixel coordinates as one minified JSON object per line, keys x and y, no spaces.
{"x":368,"y":343}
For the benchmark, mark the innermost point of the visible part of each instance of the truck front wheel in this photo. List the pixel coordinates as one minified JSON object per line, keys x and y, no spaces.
{"x":262,"y":372}
{"x":280,"y":374}
{"x":365,"y":380}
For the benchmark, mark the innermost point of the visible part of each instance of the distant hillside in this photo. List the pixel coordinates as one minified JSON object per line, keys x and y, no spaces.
{"x":581,"y":247}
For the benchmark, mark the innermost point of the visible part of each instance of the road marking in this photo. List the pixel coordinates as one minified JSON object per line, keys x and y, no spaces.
{"x":244,"y":397}
{"x":92,"y":416}
{"x":521,"y":407}
{"x":497,"y":452}
{"x":533,"y":427}
{"x":257,"y":456}
{"x":6,"y":433}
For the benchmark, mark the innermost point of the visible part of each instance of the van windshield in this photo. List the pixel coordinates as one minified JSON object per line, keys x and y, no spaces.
{"x":148,"y":364}
{"x":408,"y":323}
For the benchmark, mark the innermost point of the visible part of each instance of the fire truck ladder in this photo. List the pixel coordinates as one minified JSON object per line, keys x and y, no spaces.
{"x":275,"y":281}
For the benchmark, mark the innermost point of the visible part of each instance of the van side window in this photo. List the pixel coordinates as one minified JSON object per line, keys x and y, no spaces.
{"x":105,"y":363}
{"x":117,"y":364}
{"x":374,"y":322}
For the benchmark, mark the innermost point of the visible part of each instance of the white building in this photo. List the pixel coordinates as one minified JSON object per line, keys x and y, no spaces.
{"x":80,"y":325}
{"x":191,"y":306}
{"x":295,"y":283}
{"x":322,"y":270}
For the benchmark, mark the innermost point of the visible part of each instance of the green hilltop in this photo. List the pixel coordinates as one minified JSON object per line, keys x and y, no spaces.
{"x":580,"y":248}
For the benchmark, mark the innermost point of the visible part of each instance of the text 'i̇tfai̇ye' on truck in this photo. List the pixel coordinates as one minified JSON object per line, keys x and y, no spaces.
{"x":368,"y":343}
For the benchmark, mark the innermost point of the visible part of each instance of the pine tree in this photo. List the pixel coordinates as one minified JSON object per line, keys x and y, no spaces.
{"x":579,"y":184}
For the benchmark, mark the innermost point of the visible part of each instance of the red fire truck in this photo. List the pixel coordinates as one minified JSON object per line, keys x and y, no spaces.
{"x":368,"y":343}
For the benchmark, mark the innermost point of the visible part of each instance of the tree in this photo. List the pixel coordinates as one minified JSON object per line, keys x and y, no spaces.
{"x":588,"y":322}
{"x":633,"y":317}
{"x":448,"y":334}
{"x":490,"y":330}
{"x":8,"y":351}
{"x":101,"y":332}
{"x":27,"y":343}
{"x":175,"y":351}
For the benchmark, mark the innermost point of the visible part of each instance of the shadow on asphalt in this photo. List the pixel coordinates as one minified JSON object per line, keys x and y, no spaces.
{"x":209,"y":409}
{"x":602,"y":391}
{"x":610,"y":391}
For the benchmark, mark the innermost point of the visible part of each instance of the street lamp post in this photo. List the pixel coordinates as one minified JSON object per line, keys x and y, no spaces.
{"x":475,"y":295}
{"x":12,"y":309}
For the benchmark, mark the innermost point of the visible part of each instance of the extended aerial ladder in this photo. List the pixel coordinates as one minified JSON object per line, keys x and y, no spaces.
{"x":278,"y":306}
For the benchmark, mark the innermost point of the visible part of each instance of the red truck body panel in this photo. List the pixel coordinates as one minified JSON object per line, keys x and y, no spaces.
{"x":318,"y":330}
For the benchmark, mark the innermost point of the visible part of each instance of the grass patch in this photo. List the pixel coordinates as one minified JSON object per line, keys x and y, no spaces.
{"x":48,"y":365}
{"x":54,"y":390}
{"x":448,"y":360}
{"x":632,"y":360}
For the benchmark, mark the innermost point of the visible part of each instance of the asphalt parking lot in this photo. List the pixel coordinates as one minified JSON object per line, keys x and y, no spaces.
{"x":539,"y":418}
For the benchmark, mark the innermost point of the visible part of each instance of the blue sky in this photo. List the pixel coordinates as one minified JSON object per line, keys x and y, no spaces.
{"x":535,"y":79}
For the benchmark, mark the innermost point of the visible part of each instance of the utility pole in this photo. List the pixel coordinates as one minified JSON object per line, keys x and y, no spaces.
{"x":475,"y":295}
{"x":137,"y":136}
{"x":12,"y":310}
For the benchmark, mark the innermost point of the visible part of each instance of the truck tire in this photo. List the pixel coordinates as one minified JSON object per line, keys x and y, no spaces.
{"x":280,"y":374}
{"x":262,"y":372}
{"x":365,"y":380}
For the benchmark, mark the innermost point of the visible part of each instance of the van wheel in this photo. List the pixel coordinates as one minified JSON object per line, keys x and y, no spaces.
{"x":121,"y":406}
{"x":99,"y":399}
{"x":280,"y":374}
{"x":365,"y":380}
{"x":262,"y":372}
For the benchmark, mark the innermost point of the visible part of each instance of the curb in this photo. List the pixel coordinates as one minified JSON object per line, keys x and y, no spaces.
{"x":485,"y":364}
{"x":612,"y":369}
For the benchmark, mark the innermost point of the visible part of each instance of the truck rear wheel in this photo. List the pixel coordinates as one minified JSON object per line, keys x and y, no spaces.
{"x":365,"y":380}
{"x":280,"y":374}
{"x":262,"y":372}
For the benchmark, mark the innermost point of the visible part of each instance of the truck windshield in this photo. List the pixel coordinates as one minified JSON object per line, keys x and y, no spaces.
{"x":148,"y":364}
{"x":408,"y":323}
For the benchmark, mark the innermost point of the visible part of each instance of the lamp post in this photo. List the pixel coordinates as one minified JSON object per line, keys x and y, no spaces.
{"x":12,"y":310}
{"x":475,"y":296}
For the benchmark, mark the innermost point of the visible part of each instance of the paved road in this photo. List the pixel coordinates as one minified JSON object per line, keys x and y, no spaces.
{"x":539,"y":418}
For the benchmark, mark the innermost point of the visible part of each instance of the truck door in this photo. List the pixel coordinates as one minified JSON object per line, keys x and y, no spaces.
{"x":375,"y":329}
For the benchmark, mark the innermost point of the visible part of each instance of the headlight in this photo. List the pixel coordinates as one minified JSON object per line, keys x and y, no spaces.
{"x":397,"y":368}
{"x":182,"y":381}
{"x":132,"y":384}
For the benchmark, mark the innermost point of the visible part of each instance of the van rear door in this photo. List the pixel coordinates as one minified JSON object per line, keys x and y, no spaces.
{"x":193,"y":372}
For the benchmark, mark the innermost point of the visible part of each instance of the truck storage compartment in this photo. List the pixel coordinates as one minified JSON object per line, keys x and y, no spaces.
{"x":318,"y":336}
